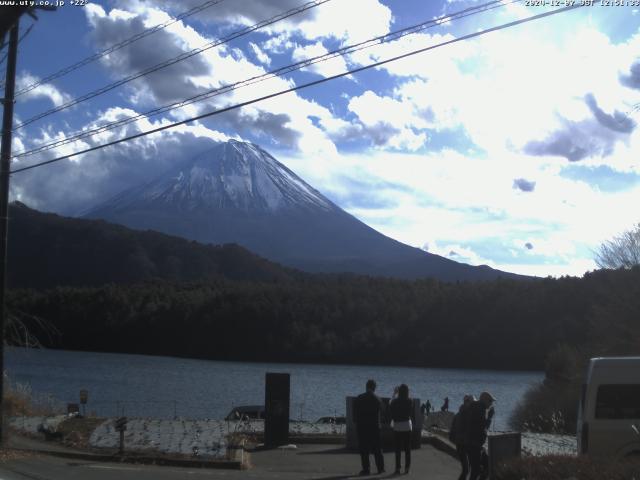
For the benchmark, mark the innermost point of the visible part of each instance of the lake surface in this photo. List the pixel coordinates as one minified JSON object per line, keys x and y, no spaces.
{"x":164,"y":387}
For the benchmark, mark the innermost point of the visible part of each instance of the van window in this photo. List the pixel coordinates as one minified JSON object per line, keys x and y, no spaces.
{"x":618,"y":401}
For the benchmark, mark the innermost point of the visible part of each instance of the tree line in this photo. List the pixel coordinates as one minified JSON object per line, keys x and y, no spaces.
{"x":499,"y":324}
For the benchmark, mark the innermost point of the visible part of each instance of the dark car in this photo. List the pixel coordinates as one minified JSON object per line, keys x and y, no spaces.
{"x":246,"y":412}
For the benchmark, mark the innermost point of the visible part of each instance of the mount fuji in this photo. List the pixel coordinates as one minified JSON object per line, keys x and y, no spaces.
{"x":238,"y":193}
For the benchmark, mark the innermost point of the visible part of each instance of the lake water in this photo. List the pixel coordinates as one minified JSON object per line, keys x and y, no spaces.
{"x":164,"y":387}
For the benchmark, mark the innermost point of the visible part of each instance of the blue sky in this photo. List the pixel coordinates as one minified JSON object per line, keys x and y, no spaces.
{"x":518,"y":149}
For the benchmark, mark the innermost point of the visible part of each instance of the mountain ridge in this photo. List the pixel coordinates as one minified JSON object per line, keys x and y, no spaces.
{"x":48,"y":250}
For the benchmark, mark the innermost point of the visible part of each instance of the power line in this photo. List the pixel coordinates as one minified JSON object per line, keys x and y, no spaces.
{"x":145,"y":33}
{"x":300,"y":87}
{"x":173,"y":61}
{"x":271,"y":74}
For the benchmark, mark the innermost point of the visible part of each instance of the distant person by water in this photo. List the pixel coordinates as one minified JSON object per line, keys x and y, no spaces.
{"x":367,"y":410}
{"x":401,"y":413}
{"x":458,"y":434}
{"x":445,"y":405}
{"x":427,"y":408}
{"x":477,"y":420}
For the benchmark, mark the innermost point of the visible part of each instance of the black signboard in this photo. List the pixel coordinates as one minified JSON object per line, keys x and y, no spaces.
{"x":121,"y":424}
{"x":276,"y":402}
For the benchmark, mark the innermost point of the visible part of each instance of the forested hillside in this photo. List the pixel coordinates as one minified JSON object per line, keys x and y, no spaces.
{"x":47,"y":250}
{"x":344,"y":318}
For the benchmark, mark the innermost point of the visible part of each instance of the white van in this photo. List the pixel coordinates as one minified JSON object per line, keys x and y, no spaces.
{"x":609,"y":410}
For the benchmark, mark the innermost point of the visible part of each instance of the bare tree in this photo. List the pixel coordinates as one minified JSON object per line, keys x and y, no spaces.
{"x":622,"y":251}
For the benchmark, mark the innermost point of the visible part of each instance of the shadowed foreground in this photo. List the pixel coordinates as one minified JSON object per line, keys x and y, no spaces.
{"x":306,"y":462}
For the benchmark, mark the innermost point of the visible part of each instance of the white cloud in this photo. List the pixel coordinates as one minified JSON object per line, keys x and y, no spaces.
{"x":56,"y":96}
{"x":283,"y":121}
{"x":451,"y":202}
{"x":334,"y":19}
{"x":388,"y":121}
{"x":334,"y":66}
{"x":74,"y":185}
{"x":260,"y":55}
{"x":340,"y":20}
{"x":279,"y":43}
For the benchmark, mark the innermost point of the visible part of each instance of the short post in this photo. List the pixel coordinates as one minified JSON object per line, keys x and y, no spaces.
{"x":84,"y":396}
{"x":121,"y":426}
{"x":503,"y":446}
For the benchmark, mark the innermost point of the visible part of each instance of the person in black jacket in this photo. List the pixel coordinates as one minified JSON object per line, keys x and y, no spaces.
{"x":367,"y":410}
{"x":457,"y":435}
{"x":401,"y":413}
{"x":477,"y":420}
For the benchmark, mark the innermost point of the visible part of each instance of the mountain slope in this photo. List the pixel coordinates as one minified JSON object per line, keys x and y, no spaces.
{"x":46,"y":250}
{"x":238,"y":193}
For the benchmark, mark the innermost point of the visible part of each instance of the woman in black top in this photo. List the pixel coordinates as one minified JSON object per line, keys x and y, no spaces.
{"x":401,"y":413}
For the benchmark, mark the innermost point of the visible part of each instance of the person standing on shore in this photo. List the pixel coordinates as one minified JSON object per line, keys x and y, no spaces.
{"x":458,"y":434}
{"x":367,"y":410}
{"x":478,"y":418}
{"x":445,"y":405}
{"x":401,"y":410}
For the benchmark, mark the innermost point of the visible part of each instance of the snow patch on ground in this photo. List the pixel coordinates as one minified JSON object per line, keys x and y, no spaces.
{"x":206,"y":437}
{"x":32,"y":424}
{"x":209,"y":438}
{"x":536,"y":444}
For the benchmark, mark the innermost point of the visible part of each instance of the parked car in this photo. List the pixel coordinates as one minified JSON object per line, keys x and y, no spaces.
{"x":246,"y":412}
{"x":337,"y":420}
{"x":609,"y":409}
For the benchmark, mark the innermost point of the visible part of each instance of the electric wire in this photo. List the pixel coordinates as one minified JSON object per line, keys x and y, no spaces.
{"x":145,"y":33}
{"x":302,"y":86}
{"x":173,"y":61}
{"x":395,"y":35}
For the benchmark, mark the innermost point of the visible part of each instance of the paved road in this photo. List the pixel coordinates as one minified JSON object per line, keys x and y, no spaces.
{"x":319,"y":462}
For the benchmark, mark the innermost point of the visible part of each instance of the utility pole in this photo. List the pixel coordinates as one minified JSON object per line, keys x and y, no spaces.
{"x":5,"y":167}
{"x":9,"y":21}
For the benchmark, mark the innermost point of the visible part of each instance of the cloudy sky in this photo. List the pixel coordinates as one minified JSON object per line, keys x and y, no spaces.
{"x":518,"y":149}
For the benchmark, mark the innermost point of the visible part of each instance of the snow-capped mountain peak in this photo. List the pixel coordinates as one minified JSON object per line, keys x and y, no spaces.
{"x":238,"y":193}
{"x":234,"y":175}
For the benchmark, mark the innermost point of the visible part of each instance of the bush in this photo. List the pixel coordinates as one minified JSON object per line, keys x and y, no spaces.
{"x":551,"y":407}
{"x":18,"y":399}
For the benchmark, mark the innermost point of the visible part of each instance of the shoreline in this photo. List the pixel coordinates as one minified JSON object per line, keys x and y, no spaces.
{"x":292,"y":363}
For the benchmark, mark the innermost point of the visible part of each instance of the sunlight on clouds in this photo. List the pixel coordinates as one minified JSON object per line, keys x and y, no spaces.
{"x":389,"y":122}
{"x":336,"y":19}
{"x":329,"y":68}
{"x":56,"y":96}
{"x":442,"y":61}
{"x":521,"y":87}
{"x":450,"y":199}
